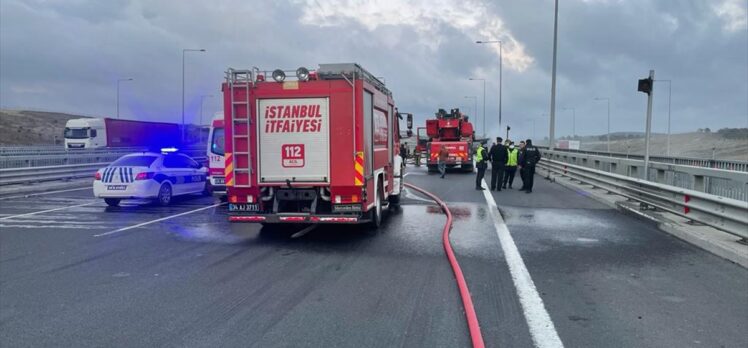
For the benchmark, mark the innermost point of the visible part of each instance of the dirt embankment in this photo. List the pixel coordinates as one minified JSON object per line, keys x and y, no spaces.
{"x":694,"y":145}
{"x":21,"y":127}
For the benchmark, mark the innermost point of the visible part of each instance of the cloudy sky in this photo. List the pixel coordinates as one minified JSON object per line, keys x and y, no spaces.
{"x":67,"y":56}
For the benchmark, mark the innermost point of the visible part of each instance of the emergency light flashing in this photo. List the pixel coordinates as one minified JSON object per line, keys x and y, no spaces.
{"x":166,"y":150}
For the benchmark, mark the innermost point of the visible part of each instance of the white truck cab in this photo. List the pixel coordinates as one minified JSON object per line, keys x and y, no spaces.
{"x":84,"y":133}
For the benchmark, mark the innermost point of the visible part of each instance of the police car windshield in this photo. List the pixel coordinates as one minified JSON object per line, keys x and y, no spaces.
{"x":217,"y":143}
{"x":135,"y":161}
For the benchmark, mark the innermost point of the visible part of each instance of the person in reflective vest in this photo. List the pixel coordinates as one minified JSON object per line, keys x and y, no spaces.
{"x":511,"y":165}
{"x":481,"y":158}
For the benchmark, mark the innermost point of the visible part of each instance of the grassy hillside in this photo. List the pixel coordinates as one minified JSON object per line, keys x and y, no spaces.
{"x":696,"y":145}
{"x":18,"y":127}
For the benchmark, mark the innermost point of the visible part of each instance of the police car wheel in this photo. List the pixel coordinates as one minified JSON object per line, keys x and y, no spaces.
{"x":164,"y":195}
{"x":208,"y":189}
{"x":112,"y":202}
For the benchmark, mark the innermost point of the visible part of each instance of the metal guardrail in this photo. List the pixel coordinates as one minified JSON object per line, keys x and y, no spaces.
{"x":740,"y":166}
{"x":725,"y":214}
{"x":14,"y":176}
{"x":42,"y":156}
{"x":726,"y":183}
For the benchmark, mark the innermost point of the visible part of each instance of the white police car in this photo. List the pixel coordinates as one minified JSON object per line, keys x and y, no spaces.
{"x":150,"y":175}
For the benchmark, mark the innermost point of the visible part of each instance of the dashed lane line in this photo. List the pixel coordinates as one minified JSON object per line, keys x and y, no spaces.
{"x":157,"y":220}
{"x":46,"y":211}
{"x":542,"y":330}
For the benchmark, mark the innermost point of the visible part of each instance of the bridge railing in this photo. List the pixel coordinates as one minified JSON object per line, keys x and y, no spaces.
{"x":726,"y":214}
{"x":720,"y":182}
{"x":740,"y":166}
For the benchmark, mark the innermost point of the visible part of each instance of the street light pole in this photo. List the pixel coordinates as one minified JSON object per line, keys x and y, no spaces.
{"x":573,"y":121}
{"x":501,"y":69}
{"x":669,"y":97}
{"x":118,"y":81}
{"x":484,"y":104}
{"x":185,"y":50}
{"x":607,"y":100}
{"x":552,"y":130}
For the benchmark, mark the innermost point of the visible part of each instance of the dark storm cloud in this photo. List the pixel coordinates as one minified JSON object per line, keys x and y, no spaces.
{"x":67,"y":55}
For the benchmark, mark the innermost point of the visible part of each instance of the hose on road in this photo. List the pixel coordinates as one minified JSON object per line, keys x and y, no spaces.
{"x":467,"y":300}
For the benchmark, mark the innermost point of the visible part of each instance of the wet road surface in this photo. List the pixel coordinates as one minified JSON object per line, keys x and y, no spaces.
{"x":195,"y":280}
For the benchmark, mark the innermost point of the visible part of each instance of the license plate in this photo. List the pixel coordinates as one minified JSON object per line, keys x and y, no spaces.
{"x":339,"y":208}
{"x":116,"y":187}
{"x":244,"y":207}
{"x":220,"y":181}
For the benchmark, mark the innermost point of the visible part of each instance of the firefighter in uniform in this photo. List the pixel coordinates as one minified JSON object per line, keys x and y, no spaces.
{"x":498,"y":157}
{"x":480,"y":163}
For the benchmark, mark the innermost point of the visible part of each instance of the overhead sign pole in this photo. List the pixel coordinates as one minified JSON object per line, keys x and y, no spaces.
{"x":647,"y":86}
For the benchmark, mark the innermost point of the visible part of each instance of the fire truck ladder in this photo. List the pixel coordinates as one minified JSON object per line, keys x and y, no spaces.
{"x":240,"y":80}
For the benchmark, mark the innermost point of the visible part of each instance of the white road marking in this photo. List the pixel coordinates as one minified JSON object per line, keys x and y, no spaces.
{"x":46,"y":193}
{"x":406,"y":174}
{"x":157,"y":220}
{"x":46,"y":211}
{"x":542,"y":330}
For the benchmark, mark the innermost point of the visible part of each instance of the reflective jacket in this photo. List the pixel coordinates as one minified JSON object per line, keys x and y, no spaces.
{"x":480,"y":155}
{"x":512,"y":159}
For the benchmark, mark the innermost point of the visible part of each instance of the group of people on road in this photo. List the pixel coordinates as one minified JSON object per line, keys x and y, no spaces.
{"x":505,"y":158}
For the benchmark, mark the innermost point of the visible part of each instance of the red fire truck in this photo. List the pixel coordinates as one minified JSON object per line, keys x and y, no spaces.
{"x":320,"y":147}
{"x":453,"y":131}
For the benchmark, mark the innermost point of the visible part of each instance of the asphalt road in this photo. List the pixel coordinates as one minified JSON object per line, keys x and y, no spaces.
{"x":77,"y":276}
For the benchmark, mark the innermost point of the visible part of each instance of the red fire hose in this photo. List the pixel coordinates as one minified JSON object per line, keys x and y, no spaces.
{"x":467,"y":301}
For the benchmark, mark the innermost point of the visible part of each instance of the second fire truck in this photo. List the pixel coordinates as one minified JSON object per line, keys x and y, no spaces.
{"x":453,"y":131}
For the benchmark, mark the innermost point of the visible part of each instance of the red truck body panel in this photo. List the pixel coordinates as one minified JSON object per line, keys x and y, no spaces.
{"x":356,"y":161}
{"x":130,"y":133}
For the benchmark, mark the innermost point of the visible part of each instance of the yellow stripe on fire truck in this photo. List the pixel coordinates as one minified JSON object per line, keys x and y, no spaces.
{"x":358,"y":179}
{"x":228,"y":172}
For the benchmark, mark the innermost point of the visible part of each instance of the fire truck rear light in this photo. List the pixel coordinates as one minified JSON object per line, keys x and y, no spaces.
{"x":247,"y":218}
{"x":337,"y":197}
{"x":97,"y":176}
{"x":346,"y":199}
{"x":279,"y":75}
{"x":314,"y":219}
{"x":292,"y":218}
{"x":338,"y":219}
{"x":233,"y":199}
{"x":250,"y":199}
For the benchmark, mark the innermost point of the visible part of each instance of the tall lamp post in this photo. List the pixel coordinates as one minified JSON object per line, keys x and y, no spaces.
{"x":484,"y":103}
{"x":185,"y":50}
{"x":607,"y":100}
{"x":552,"y":129}
{"x":501,"y":59}
{"x":573,"y":121}
{"x":669,"y":97}
{"x":118,"y":82}
{"x":475,"y":101}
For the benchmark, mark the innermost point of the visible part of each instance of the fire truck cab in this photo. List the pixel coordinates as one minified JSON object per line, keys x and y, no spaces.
{"x":318,"y":148}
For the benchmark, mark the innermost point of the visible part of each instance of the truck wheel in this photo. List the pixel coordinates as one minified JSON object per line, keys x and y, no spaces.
{"x":112,"y":202}
{"x":376,"y":213}
{"x":164,"y":195}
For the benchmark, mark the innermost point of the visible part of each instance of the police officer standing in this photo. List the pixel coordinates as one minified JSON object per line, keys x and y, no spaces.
{"x":530,"y":158}
{"x":480,"y":163}
{"x":511,"y":166}
{"x":498,"y":157}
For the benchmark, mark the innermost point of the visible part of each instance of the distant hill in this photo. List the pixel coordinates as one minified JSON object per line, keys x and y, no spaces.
{"x":23,"y":127}
{"x":721,"y":145}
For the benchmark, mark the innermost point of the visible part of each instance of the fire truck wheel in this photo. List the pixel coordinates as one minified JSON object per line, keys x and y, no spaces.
{"x":376,"y":213}
{"x":112,"y":202}
{"x":164,"y":195}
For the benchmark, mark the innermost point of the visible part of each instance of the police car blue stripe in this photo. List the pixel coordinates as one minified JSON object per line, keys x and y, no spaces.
{"x":106,"y":174}
{"x":132,"y":178}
